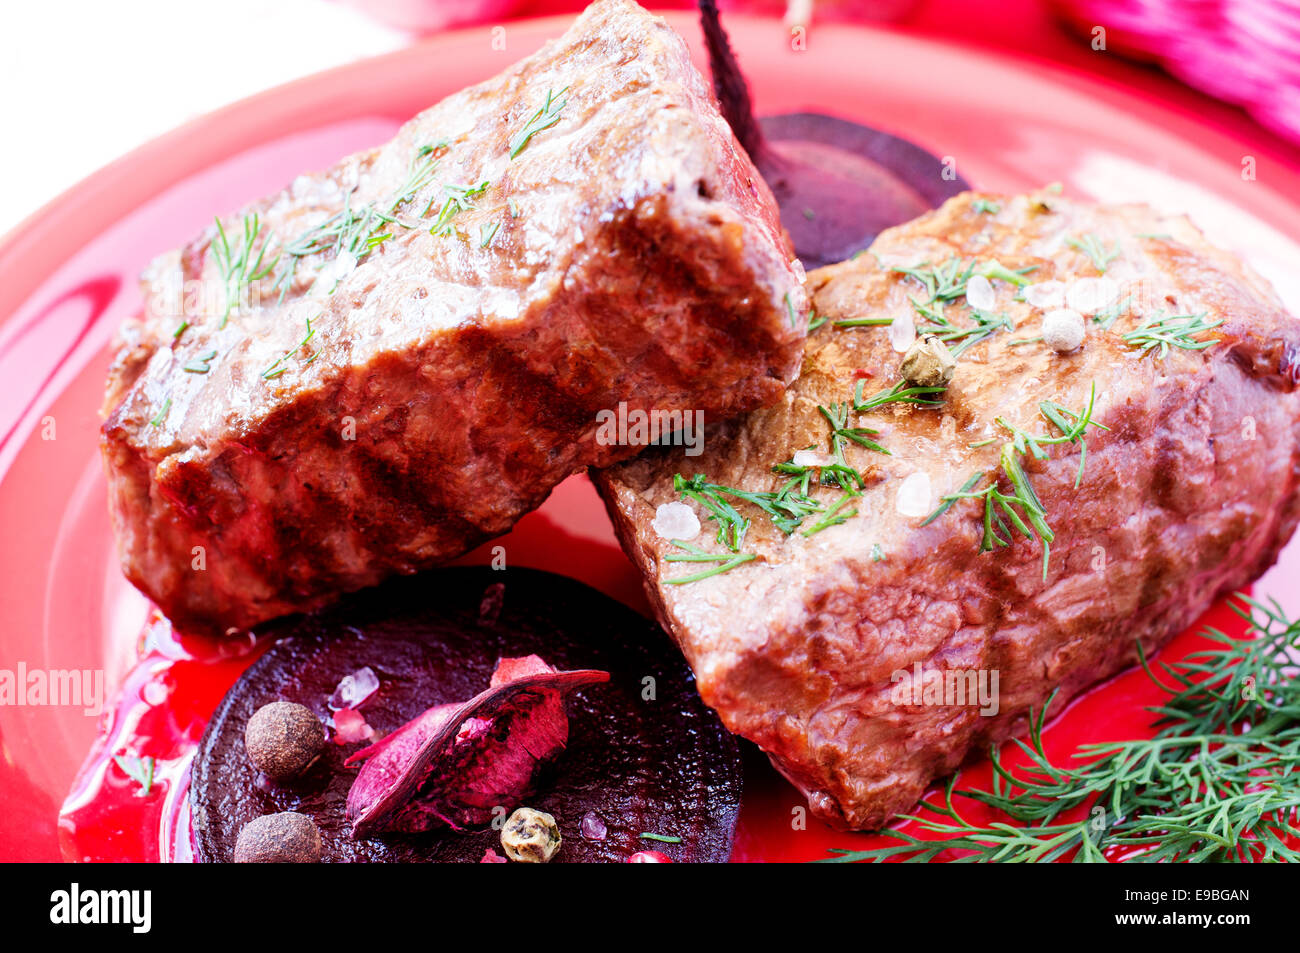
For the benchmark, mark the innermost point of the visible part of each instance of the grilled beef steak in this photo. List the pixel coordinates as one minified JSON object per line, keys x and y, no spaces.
{"x":393,"y":360}
{"x":825,"y":647}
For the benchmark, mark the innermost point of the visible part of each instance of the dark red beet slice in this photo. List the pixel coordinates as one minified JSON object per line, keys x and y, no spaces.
{"x":838,"y":183}
{"x":663,"y":765}
{"x":453,"y":765}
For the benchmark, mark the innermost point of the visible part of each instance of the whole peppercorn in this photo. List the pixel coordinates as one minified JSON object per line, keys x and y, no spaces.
{"x":285,"y":838}
{"x":283,"y":738}
{"x":1063,"y":329}
{"x":530,"y":837}
{"x":928,"y":363}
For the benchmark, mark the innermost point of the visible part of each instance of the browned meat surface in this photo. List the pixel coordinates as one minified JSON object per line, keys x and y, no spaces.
{"x":1189,"y":494}
{"x":413,"y":395}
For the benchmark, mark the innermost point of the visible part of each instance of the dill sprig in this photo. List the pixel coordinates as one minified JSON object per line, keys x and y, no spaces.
{"x":1176,"y":331}
{"x":159,"y":417}
{"x":946,"y":282}
{"x":140,"y":770}
{"x":359,"y":231}
{"x":1219,"y":781}
{"x":238,"y":266}
{"x":960,"y":337}
{"x":1090,"y":245}
{"x":455,"y":199}
{"x":1022,"y":508}
{"x":693,"y":554}
{"x":279,"y":367}
{"x":833,"y":516}
{"x":545,"y":117}
{"x":900,"y":393}
{"x":201,"y":364}
{"x":1106,"y":317}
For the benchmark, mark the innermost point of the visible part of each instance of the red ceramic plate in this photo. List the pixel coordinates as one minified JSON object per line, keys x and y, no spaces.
{"x":67,"y":276}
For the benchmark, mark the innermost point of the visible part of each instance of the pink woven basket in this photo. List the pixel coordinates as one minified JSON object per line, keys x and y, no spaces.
{"x":1243,"y":51}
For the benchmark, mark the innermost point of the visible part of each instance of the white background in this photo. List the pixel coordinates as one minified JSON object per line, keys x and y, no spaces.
{"x":82,"y":82}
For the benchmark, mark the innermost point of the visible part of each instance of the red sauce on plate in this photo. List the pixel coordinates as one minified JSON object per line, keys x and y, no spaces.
{"x":160,"y":712}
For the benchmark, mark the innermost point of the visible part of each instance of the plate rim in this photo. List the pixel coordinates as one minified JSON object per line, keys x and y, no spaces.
{"x":32,"y":250}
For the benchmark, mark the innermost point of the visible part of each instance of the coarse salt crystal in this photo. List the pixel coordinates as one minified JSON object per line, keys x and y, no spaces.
{"x":1045,"y":294}
{"x":1090,"y":295}
{"x":811,"y":458}
{"x":914,"y":495}
{"x":353,"y":690}
{"x":902,"y":332}
{"x":676,"y":521}
{"x":980,"y":294}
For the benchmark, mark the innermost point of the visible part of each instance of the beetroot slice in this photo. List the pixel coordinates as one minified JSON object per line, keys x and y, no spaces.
{"x":838,"y":183}
{"x":454,"y":765}
{"x":643,"y":754}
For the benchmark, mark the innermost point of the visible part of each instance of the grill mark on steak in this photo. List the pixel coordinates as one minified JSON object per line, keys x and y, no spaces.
{"x":473,"y":375}
{"x":795,"y":650}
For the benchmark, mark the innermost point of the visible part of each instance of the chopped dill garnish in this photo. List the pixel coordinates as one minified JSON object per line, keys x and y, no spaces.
{"x":877,"y":554}
{"x":1098,"y":254}
{"x":833,"y":516}
{"x":279,"y":367}
{"x":900,"y":393}
{"x":162,"y":413}
{"x":863,"y":322}
{"x":1106,"y":317}
{"x":981,"y":206}
{"x":486,"y":233}
{"x":1216,"y":783}
{"x":816,"y":320}
{"x":1176,"y":331}
{"x":201,"y":365}
{"x":456,"y":199}
{"x":693,"y":554}
{"x":1022,"y":507}
{"x":662,"y":838}
{"x":357,"y":231}
{"x":545,"y":117}
{"x":957,"y":337}
{"x":238,"y":265}
{"x":140,"y":770}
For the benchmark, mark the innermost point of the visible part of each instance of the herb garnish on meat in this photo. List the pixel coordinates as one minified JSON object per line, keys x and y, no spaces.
{"x":1097,"y":253}
{"x":1023,"y":508}
{"x":545,"y":117}
{"x":1160,"y":332}
{"x":238,"y":265}
{"x":356,"y":231}
{"x":1219,"y":782}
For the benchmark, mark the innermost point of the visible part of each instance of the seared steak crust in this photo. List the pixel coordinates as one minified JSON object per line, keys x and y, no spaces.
{"x":1188,"y":495}
{"x":630,"y":252}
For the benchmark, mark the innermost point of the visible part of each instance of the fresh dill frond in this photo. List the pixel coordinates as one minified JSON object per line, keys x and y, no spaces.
{"x":693,"y":554}
{"x":1219,"y":782}
{"x":1097,"y":253}
{"x":357,"y":231}
{"x":1022,"y":508}
{"x":159,"y":417}
{"x":238,"y":265}
{"x":140,"y":770}
{"x":202,"y":364}
{"x":455,"y":199}
{"x":545,"y":117}
{"x":280,"y":366}
{"x":1175,"y":331}
{"x":900,"y":393}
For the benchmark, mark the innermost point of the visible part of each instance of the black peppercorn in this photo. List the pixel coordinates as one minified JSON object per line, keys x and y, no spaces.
{"x":283,"y":738}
